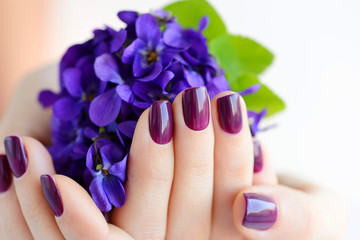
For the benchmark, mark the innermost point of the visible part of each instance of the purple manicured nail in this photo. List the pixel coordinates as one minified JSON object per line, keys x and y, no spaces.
{"x":196,"y":108}
{"x":260,"y":212}
{"x":161,"y":122}
{"x":258,"y":158}
{"x":52,"y":194}
{"x":229,"y":113}
{"x":5,"y":174}
{"x":16,"y":155}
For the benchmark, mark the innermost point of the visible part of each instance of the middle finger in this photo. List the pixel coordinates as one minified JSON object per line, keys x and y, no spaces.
{"x":191,"y":196}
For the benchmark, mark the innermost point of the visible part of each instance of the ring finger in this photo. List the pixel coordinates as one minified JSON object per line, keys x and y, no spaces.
{"x":191,"y":195}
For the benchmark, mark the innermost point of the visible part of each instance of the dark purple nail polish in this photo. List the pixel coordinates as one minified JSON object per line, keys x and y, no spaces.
{"x":196,"y":108}
{"x":5,"y":174}
{"x":16,"y":155}
{"x":229,"y":113}
{"x":161,"y":122}
{"x":258,"y":158}
{"x":260,"y":212}
{"x":52,"y":194}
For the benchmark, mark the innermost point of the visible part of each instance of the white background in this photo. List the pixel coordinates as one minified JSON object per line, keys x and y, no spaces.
{"x":316,"y":71}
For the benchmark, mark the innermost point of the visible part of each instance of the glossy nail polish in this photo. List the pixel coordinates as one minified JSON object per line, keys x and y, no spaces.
{"x":229,"y":113}
{"x":16,"y":155}
{"x":161,"y":122}
{"x":258,"y":158}
{"x":261,"y":211}
{"x":196,"y":108}
{"x":52,"y":194}
{"x":5,"y":174}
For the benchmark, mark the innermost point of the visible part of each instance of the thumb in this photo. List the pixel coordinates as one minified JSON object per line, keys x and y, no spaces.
{"x":280,"y":212}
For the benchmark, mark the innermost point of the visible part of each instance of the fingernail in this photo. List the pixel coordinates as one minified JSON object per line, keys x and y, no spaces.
{"x":229,"y":113}
{"x":258,"y":158}
{"x":161,"y":122}
{"x":260,"y":213}
{"x":5,"y":174}
{"x":52,"y":194}
{"x":196,"y":108}
{"x":16,"y":155}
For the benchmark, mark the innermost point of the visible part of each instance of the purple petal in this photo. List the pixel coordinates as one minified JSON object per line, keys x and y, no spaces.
{"x":164,"y":78}
{"x":91,"y":132}
{"x":72,"y":81}
{"x":119,"y":169}
{"x":161,"y":13}
{"x":72,"y":55}
{"x":84,"y":60}
{"x":98,"y":193}
{"x":101,"y":49}
{"x":141,"y":105}
{"x":80,"y":148}
{"x":203,"y":23}
{"x":179,"y":87}
{"x":99,"y":36}
{"x":111,"y":153}
{"x":124,"y":92}
{"x":194,"y":78}
{"x":106,"y":69}
{"x":250,"y":90}
{"x":118,"y":40}
{"x":105,"y":108}
{"x":140,"y":66}
{"x":90,"y":162}
{"x":173,"y":37}
{"x":148,"y":91}
{"x":47,"y":98}
{"x":217,"y":84}
{"x":127,"y":128}
{"x":128,"y":17}
{"x":114,"y":190}
{"x":131,"y":50}
{"x":254,"y":127}
{"x":251,"y":114}
{"x":67,"y":108}
{"x":166,"y":57}
{"x":139,"y":110}
{"x":147,"y":29}
{"x":155,"y":71}
{"x":193,"y":61}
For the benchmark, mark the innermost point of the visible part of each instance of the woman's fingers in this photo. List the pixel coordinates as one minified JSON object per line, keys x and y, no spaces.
{"x":264,"y":172}
{"x":192,"y":190}
{"x":150,"y":175}
{"x":76,"y":213}
{"x":234,"y":160}
{"x":28,"y":160}
{"x":278,"y":212}
{"x":9,"y":206}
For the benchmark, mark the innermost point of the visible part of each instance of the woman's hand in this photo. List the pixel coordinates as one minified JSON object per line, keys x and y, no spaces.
{"x":192,"y":185}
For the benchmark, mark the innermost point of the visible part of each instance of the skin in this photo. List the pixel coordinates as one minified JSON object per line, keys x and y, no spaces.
{"x":190,"y":188}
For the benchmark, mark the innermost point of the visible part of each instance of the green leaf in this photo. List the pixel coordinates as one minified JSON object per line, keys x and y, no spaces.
{"x":189,"y":12}
{"x":238,"y":55}
{"x":261,"y":99}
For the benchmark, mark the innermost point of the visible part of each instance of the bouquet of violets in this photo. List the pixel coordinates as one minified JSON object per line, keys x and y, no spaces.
{"x":108,"y":81}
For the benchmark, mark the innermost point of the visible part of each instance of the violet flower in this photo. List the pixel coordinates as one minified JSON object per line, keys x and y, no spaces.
{"x":147,"y":54}
{"x":108,"y":81}
{"x":106,"y":161}
{"x":255,"y":119}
